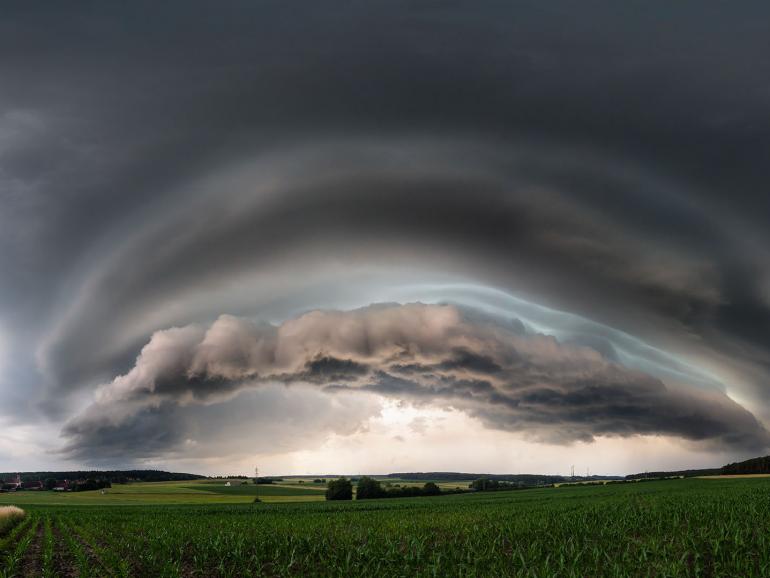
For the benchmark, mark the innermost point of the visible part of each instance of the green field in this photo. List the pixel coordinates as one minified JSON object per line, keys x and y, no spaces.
{"x":195,"y":492}
{"x":192,"y":492}
{"x":671,"y":528}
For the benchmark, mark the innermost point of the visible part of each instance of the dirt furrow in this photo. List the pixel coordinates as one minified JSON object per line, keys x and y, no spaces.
{"x":93,"y":556}
{"x":63,"y":561}
{"x":32,"y":563}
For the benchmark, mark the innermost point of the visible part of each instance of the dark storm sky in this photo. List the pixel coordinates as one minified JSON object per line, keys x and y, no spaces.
{"x":162,"y":164}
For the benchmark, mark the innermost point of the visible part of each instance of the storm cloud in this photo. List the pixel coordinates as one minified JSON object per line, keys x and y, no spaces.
{"x":430,"y":354}
{"x":590,"y":173}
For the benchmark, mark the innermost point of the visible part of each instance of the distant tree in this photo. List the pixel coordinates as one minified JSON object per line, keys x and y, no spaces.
{"x":404,"y":492}
{"x":753,"y":466}
{"x":115,"y":476}
{"x":491,"y":485}
{"x":340,"y":489}
{"x":431,"y":489}
{"x":481,"y":484}
{"x":87,"y":486}
{"x":368,"y":489}
{"x":50,"y":483}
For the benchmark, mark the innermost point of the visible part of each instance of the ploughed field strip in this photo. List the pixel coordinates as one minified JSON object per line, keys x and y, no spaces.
{"x":667,"y":528}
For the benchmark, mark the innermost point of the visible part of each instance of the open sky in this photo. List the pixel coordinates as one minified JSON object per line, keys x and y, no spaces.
{"x":395,"y":235}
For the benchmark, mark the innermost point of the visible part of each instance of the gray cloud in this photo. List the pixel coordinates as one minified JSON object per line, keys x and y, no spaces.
{"x":162,"y":164}
{"x":411,"y":213}
{"x":425,"y":353}
{"x":269,"y":420}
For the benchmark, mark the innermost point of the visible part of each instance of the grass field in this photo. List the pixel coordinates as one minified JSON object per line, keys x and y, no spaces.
{"x":197,"y":492}
{"x":691,"y":527}
{"x":192,"y":492}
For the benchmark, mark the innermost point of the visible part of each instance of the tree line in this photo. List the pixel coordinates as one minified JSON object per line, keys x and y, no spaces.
{"x":752,"y":466}
{"x":114,"y":476}
{"x":368,"y":488}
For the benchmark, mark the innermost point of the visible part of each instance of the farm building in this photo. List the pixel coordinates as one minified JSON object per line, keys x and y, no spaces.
{"x":11,"y":485}
{"x":61,"y":486}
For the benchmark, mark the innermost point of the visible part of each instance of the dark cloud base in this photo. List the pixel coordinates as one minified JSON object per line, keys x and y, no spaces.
{"x":164,"y":163}
{"x":427,"y":354}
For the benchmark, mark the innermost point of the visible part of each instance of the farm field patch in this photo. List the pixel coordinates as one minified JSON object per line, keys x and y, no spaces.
{"x":189,"y":492}
{"x":668,"y":528}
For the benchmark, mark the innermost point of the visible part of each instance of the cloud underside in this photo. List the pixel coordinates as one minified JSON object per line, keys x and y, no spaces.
{"x":157,"y":172}
{"x":438,"y":355}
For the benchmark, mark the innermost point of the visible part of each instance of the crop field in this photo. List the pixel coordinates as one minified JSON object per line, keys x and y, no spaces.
{"x":197,"y":492}
{"x":671,"y":528}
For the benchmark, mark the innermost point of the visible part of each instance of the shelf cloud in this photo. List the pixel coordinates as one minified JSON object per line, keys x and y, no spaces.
{"x":430,"y":354}
{"x":565,"y":205}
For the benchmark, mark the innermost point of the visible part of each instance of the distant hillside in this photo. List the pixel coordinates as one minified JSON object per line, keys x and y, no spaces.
{"x":752,"y":466}
{"x":759,"y":465}
{"x":114,"y":476}
{"x":678,"y":473}
{"x":528,"y":479}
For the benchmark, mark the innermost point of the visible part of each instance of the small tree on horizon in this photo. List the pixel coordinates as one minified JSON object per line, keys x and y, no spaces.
{"x":368,"y":489}
{"x":340,"y":489}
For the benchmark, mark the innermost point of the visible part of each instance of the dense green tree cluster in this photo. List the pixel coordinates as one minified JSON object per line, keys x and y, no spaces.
{"x":752,"y":466}
{"x":488,"y":485}
{"x":339,"y":489}
{"x":369,"y":488}
{"x":114,"y":476}
{"x":90,"y":485}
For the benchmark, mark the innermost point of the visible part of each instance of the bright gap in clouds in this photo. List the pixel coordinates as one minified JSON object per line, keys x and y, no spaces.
{"x":407,"y":438}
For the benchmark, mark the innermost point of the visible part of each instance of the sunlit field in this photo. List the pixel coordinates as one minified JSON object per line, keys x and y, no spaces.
{"x":189,"y":492}
{"x":197,"y":492}
{"x":688,"y":527}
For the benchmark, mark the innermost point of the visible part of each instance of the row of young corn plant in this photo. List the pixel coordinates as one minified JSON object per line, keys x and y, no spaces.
{"x":16,"y":546}
{"x":86,"y":565}
{"x":678,"y":528}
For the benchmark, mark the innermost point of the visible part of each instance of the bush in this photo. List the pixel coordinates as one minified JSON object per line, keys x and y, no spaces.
{"x":9,"y":516}
{"x":431,"y":489}
{"x":487,"y":485}
{"x":340,"y":489}
{"x":369,"y":489}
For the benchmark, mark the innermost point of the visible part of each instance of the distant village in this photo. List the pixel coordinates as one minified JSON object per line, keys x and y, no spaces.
{"x":83,"y":480}
{"x":15,"y":484}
